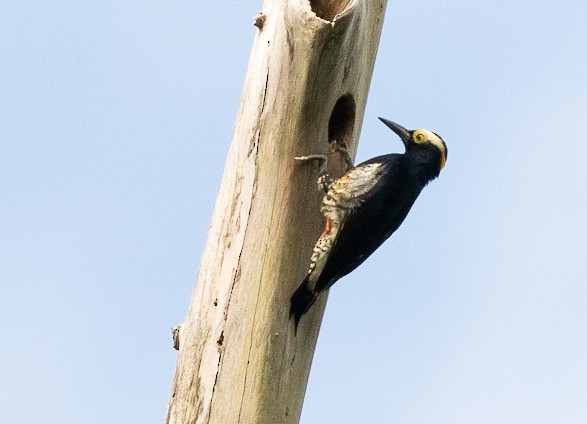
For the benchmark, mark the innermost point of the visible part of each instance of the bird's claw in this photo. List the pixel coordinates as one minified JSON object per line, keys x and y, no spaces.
{"x":325,"y":181}
{"x":341,"y":147}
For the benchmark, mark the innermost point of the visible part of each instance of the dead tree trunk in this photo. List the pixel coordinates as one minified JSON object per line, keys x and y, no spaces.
{"x":307,"y":84}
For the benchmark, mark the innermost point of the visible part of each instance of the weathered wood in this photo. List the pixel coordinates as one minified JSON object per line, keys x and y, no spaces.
{"x":307,"y":84}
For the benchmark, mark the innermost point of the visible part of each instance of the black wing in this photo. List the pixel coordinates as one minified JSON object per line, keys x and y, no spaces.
{"x":381,"y":211}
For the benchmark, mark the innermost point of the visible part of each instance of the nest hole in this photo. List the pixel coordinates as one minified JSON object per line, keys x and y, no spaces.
{"x":342,"y":120}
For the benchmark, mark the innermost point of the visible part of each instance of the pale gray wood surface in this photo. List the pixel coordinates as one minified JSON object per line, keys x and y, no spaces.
{"x":239,"y":360}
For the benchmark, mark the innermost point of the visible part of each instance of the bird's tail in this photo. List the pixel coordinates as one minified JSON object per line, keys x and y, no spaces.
{"x":301,"y":300}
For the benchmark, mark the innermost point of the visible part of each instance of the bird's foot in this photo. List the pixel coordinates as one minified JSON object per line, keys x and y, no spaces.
{"x":340,"y":147}
{"x":325,"y":181}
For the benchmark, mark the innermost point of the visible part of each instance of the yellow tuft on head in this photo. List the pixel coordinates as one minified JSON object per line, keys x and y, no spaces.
{"x":425,"y":136}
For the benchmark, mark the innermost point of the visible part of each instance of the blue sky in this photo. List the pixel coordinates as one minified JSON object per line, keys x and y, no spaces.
{"x":115,"y":120}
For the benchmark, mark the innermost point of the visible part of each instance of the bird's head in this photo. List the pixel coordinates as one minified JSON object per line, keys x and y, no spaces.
{"x":420,"y":140}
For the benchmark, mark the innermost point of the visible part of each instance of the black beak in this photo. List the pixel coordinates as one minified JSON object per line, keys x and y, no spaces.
{"x":404,"y":134}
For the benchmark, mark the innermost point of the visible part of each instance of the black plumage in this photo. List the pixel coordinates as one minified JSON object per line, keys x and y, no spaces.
{"x":364,"y":207}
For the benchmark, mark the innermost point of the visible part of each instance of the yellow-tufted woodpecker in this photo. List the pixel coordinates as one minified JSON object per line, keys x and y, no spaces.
{"x":364,"y":207}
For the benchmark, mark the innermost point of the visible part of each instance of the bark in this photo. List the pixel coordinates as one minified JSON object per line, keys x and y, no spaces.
{"x":307,"y":83}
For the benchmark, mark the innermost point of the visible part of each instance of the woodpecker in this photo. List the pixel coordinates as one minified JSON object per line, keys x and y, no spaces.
{"x":364,"y":207}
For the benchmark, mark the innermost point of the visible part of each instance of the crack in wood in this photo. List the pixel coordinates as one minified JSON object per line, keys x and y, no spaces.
{"x":214,"y":388}
{"x":265,"y":92}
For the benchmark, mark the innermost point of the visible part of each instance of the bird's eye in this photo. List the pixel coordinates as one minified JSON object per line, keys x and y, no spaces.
{"x":420,"y":136}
